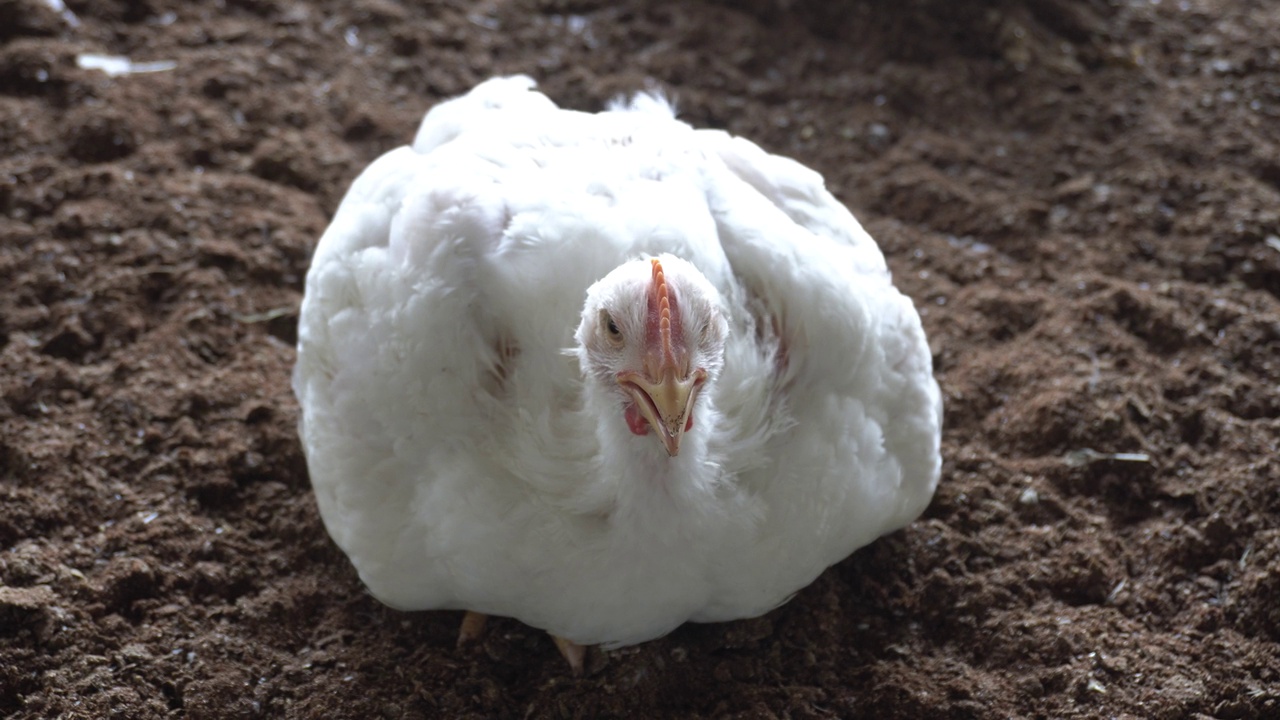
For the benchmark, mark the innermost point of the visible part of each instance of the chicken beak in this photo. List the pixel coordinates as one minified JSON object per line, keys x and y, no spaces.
{"x":666,"y":404}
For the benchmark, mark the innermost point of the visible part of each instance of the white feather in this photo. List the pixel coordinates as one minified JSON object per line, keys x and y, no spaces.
{"x":461,"y":458}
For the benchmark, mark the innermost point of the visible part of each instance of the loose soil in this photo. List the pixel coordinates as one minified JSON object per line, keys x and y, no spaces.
{"x":1082,"y":197}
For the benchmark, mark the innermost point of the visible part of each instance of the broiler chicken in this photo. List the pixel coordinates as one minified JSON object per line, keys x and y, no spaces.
{"x":604,"y":373}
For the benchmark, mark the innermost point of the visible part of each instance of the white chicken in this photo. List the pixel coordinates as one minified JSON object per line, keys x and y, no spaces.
{"x":604,"y":373}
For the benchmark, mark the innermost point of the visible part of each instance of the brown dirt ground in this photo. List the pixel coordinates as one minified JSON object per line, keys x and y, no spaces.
{"x":1082,"y":197}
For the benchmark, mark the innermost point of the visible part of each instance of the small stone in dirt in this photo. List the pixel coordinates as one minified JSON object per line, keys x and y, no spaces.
{"x":1085,"y":456}
{"x":115,"y":65}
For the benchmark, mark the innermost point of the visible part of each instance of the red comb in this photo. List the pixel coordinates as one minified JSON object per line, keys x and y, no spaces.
{"x":663,"y":324}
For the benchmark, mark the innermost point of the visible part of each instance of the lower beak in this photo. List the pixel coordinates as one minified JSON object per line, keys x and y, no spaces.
{"x":667,"y":404}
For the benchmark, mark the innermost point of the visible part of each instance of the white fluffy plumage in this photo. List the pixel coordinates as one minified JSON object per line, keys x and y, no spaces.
{"x":465,"y":456}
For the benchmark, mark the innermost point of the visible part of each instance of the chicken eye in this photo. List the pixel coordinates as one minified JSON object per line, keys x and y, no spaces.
{"x":615,"y":335}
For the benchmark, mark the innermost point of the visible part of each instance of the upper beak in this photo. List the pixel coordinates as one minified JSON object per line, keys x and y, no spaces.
{"x":667,"y":404}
